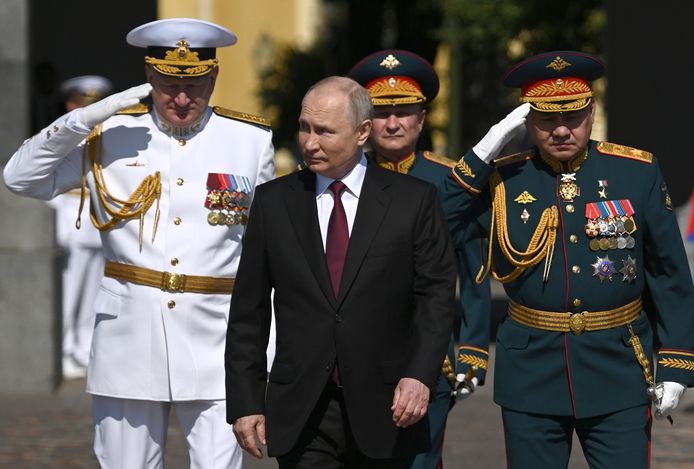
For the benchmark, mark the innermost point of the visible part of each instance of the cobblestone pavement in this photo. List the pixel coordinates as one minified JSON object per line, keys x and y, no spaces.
{"x":56,"y":431}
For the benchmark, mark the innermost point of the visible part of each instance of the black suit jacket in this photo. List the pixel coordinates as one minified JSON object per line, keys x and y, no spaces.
{"x":392,"y":318}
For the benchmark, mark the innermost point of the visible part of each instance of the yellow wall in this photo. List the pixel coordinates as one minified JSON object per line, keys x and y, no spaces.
{"x":292,"y":21}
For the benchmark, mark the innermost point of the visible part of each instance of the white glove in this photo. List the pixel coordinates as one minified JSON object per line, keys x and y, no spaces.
{"x":500,"y":134}
{"x":94,"y":114}
{"x":466,"y":388}
{"x":668,"y":395}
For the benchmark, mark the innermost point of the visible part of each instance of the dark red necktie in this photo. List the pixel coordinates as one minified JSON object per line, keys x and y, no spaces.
{"x":337,"y":239}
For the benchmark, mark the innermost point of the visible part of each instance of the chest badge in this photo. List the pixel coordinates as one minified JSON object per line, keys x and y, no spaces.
{"x":602,"y":188}
{"x":525,"y":216}
{"x":604,"y":268}
{"x":568,"y":189}
{"x":525,"y":197}
{"x":629,"y":270}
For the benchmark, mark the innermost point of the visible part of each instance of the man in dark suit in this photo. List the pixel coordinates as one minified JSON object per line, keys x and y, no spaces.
{"x":363,"y":274}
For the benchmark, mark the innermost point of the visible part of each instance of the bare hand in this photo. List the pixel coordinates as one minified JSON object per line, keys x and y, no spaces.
{"x":248,"y":431}
{"x":410,"y":402}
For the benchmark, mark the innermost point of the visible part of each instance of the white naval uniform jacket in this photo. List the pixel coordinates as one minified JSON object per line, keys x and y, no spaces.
{"x":149,"y":343}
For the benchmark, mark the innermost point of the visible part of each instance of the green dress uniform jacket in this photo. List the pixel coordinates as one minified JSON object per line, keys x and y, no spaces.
{"x":593,"y":372}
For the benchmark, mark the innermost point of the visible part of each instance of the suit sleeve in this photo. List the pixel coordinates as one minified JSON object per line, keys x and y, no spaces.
{"x":669,"y":282}
{"x":249,"y":322}
{"x":434,"y":291}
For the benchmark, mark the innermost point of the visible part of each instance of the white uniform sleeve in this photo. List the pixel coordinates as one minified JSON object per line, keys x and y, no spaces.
{"x":50,"y":162}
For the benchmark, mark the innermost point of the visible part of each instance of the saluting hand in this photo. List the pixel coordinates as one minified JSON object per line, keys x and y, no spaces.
{"x":410,"y":402}
{"x":248,"y":431}
{"x":96,"y":113}
{"x":510,"y":127}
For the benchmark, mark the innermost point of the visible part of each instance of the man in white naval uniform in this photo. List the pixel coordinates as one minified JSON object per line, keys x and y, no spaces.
{"x":83,"y":261}
{"x":170,"y":189}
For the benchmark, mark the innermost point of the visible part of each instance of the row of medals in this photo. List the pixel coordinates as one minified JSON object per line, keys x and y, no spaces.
{"x":615,"y":232}
{"x":228,"y":207}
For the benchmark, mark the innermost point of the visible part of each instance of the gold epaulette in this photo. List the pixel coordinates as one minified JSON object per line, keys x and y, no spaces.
{"x":243,"y":117}
{"x":613,"y":149}
{"x":442,"y":160}
{"x":137,"y":109}
{"x":515,"y":158}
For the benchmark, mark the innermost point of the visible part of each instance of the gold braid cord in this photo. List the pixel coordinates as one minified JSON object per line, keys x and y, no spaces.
{"x":541,"y":244}
{"x":119,"y":210}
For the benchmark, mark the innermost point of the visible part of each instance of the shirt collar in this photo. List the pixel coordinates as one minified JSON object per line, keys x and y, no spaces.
{"x":353,"y":180}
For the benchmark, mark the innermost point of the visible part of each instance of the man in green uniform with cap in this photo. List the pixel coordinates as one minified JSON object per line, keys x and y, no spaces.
{"x":585,"y":241}
{"x":402,"y":84}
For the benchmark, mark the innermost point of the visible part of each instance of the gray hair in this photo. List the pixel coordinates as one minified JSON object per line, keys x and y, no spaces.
{"x":360,"y":107}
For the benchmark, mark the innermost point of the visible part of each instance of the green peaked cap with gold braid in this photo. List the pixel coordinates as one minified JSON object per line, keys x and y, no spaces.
{"x":558,"y":81}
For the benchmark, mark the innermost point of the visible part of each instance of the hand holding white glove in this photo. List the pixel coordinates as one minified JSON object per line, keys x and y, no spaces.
{"x":466,"y":388}
{"x":94,"y":114}
{"x":500,"y":134}
{"x":668,"y":395}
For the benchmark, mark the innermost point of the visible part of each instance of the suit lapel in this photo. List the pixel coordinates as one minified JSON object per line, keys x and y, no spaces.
{"x":373,"y":204}
{"x":301,"y":205}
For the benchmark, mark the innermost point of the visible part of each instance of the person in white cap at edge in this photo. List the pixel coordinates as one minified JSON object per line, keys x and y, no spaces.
{"x":170,"y":186}
{"x":82,"y":260}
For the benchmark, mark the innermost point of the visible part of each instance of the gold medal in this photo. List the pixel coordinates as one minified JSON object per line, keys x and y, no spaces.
{"x":604,"y":244}
{"x":213,"y":218}
{"x":594,"y":244}
{"x":613,"y":243}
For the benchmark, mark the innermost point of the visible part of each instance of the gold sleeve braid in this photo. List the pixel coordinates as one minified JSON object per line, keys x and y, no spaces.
{"x":541,"y":244}
{"x":137,"y":204}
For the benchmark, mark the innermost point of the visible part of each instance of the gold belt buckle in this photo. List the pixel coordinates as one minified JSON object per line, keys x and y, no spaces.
{"x":577,"y":323}
{"x":173,"y":282}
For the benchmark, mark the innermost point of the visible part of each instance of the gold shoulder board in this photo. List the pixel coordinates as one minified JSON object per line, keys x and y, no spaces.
{"x":242,"y":116}
{"x":515,"y":158}
{"x":625,"y":152}
{"x":139,"y":108}
{"x":442,"y":160}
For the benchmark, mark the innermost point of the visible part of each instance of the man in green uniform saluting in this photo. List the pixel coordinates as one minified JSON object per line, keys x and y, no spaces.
{"x":582,"y":234}
{"x":402,"y":84}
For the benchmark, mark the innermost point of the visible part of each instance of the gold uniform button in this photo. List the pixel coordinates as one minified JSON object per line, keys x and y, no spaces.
{"x":570,"y":208}
{"x":174,"y":261}
{"x":179,"y":181}
{"x":182,"y":142}
{"x":573,"y":239}
{"x":576,"y":269}
{"x":577,"y":302}
{"x":177,"y":221}
{"x":171,"y":304}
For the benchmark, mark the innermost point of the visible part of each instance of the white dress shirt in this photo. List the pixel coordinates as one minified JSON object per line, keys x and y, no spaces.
{"x":350,"y":197}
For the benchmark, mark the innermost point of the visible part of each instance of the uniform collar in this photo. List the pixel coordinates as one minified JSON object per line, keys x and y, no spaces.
{"x":570,"y":166}
{"x":403,"y":165}
{"x":181,"y":132}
